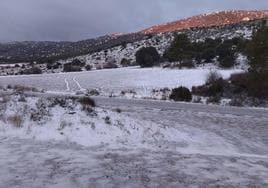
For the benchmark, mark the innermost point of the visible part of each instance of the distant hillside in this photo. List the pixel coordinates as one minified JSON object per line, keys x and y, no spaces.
{"x":50,"y":51}
{"x":209,"y":20}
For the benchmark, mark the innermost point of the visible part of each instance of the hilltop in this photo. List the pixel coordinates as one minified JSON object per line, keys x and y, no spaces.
{"x":208,"y":20}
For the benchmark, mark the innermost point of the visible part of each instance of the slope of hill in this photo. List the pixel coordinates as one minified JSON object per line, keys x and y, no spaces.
{"x":44,"y":51}
{"x":209,"y":20}
{"x":161,"y":42}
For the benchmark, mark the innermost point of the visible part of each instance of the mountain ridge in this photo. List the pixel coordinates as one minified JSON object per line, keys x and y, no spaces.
{"x":220,"y":18}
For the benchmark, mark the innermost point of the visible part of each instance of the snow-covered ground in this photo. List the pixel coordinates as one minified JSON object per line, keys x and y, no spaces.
{"x":44,"y":119}
{"x":129,"y":143}
{"x":132,"y":80}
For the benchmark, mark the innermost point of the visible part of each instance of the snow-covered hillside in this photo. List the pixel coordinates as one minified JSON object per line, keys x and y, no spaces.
{"x":162,"y":41}
{"x":121,"y":52}
{"x":65,"y":119}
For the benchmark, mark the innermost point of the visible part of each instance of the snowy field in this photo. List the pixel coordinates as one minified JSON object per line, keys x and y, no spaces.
{"x":142,"y":81}
{"x":52,"y":142}
{"x":145,"y":144}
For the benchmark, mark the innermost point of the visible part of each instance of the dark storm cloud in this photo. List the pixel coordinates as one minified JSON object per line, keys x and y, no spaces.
{"x":80,"y":19}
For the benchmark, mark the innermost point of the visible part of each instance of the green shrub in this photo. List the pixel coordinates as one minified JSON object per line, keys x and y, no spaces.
{"x":53,"y":65}
{"x":254,"y":84}
{"x":226,"y":52}
{"x":125,"y":62}
{"x":33,"y":70}
{"x":147,"y":57}
{"x":68,"y":67}
{"x":257,"y":85}
{"x":87,"y":101}
{"x":240,"y":79}
{"x":212,"y":77}
{"x":88,"y":67}
{"x":181,"y":94}
{"x":77,"y":62}
{"x":214,"y":99}
{"x":181,"y":49}
{"x":257,"y":50}
{"x":215,"y":88}
{"x":110,"y":65}
{"x":208,"y":49}
{"x":227,"y":61}
{"x":187,"y":64}
{"x":208,"y":54}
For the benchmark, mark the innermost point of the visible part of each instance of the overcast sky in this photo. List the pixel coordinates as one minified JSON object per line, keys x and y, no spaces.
{"x":72,"y":20}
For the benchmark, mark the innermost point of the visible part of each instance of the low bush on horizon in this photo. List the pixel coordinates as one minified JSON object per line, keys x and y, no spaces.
{"x":68,"y":67}
{"x":212,"y":76}
{"x":33,"y":70}
{"x":181,"y":94}
{"x":87,"y":104}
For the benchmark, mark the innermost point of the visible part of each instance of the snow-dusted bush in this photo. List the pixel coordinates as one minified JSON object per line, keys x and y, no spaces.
{"x":181,"y":94}
{"x":16,"y":120}
{"x":125,"y":62}
{"x":42,"y":112}
{"x":107,"y":120}
{"x":254,"y":84}
{"x":20,"y":88}
{"x":33,"y":70}
{"x":214,"y":99}
{"x":71,"y":68}
{"x":110,"y":65}
{"x":88,"y":67}
{"x":87,"y":101}
{"x":93,"y":92}
{"x":60,"y":101}
{"x":87,"y":104}
{"x":212,"y":89}
{"x":212,"y":77}
{"x":77,"y":62}
{"x":118,"y":110}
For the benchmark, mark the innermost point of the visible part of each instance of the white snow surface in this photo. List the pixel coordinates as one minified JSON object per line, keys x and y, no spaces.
{"x":148,"y":144}
{"x":100,"y":127}
{"x":114,"y":81}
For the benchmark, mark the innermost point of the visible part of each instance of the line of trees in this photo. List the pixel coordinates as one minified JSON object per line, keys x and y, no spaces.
{"x":185,"y":52}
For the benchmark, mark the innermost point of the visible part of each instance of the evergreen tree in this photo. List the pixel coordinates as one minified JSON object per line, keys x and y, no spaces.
{"x":180,"y":50}
{"x":226,"y":54}
{"x":257,"y":50}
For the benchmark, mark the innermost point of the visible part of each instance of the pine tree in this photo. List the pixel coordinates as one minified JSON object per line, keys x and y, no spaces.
{"x":180,"y":50}
{"x":257,"y":50}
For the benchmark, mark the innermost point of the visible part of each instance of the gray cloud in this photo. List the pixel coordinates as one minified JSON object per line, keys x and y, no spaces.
{"x":80,"y":19}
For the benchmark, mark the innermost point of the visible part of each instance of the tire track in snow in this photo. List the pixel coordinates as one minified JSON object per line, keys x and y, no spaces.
{"x":67,"y":84}
{"x":78,"y":84}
